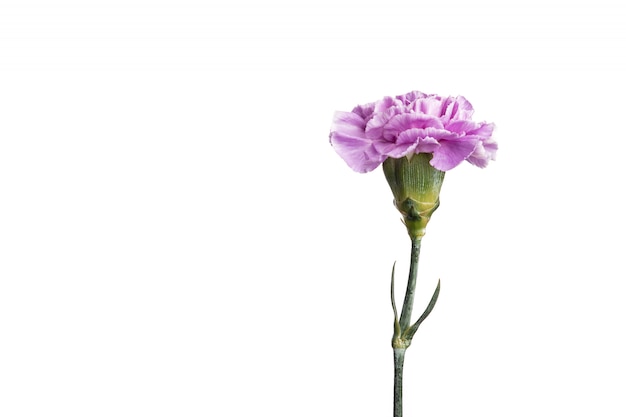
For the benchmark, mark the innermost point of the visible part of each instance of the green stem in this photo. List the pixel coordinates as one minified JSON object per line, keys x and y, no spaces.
{"x":407,"y":307}
{"x":405,"y":322}
{"x":398,"y":365}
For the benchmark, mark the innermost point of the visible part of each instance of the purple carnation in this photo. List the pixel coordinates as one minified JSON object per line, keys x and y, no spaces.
{"x":410,"y":124}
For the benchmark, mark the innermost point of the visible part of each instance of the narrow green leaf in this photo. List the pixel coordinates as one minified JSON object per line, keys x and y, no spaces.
{"x":410,"y":332}
{"x":396,"y":325}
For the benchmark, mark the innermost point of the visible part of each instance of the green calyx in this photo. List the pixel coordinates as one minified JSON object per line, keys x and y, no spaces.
{"x":415,"y":185}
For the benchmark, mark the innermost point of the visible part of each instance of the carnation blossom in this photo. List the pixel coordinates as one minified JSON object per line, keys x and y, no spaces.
{"x":410,"y":124}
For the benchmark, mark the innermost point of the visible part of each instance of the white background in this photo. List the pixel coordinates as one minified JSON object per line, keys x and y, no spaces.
{"x":177,"y":237}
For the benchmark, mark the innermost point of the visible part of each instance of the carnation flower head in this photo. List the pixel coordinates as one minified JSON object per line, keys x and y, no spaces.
{"x":411,"y":124}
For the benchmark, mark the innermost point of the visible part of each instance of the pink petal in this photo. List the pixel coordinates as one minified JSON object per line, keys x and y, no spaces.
{"x":364,"y":110}
{"x":462,"y":126}
{"x":394,"y":150}
{"x":403,"y":122}
{"x":348,"y":123}
{"x":452,"y":152}
{"x":409,"y":98}
{"x":427,"y":145}
{"x":358,"y":153}
{"x":375,"y":127}
{"x":484,"y":129}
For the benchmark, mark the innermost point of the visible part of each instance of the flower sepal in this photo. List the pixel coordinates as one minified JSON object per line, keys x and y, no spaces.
{"x":415,"y":185}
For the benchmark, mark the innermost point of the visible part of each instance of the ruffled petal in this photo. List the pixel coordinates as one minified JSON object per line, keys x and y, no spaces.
{"x":438,"y":134}
{"x":430,"y":105}
{"x":451,"y":153}
{"x":403,"y":122}
{"x":364,"y":110}
{"x":427,"y":145}
{"x":491,"y":147}
{"x":412,"y":123}
{"x":409,"y":98}
{"x":348,"y":138}
{"x":479,"y":156}
{"x":423,"y":143}
{"x":386,"y":103}
{"x":463,"y":110}
{"x":410,"y":136}
{"x":484,"y":129}
{"x":394,"y":150}
{"x":359,"y":153}
{"x":375,"y":126}
{"x":348,"y":123}
{"x":462,"y":127}
{"x":457,"y":109}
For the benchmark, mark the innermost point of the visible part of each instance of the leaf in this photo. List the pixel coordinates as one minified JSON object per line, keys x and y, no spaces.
{"x":396,"y":325}
{"x":408,"y":334}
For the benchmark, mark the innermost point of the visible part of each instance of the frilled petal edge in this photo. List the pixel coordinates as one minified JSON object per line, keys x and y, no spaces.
{"x":451,"y":153}
{"x":359,"y":153}
{"x":348,"y":123}
{"x":413,"y":123}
